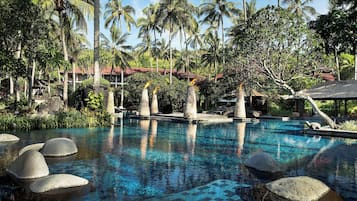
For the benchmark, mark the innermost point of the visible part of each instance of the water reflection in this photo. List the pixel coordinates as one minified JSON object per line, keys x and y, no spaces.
{"x":190,"y":140}
{"x":153,"y":133}
{"x":240,"y":137}
{"x":144,"y":125}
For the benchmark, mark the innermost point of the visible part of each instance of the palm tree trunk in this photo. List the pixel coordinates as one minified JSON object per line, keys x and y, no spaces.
{"x":278,"y":3}
{"x":96,"y":45}
{"x":244,"y":10}
{"x":122,"y":88}
{"x":337,"y":64}
{"x":157,"y":59}
{"x":31,"y":82}
{"x":223,"y":50}
{"x":65,"y":72}
{"x":171,"y":63}
{"x":74,"y":76}
{"x":355,"y":53}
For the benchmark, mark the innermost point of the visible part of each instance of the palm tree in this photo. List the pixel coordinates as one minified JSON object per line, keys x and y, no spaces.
{"x":301,"y":8}
{"x":147,"y":24}
{"x":96,"y":56}
{"x":119,"y":52}
{"x":66,"y":9}
{"x":170,"y":15}
{"x":211,"y":55}
{"x":114,"y":11}
{"x":214,"y":11}
{"x":76,"y":43}
{"x":164,"y":50}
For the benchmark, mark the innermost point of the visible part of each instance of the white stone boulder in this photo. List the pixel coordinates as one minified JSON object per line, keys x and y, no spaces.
{"x":30,"y":165}
{"x":8,"y":138}
{"x":36,"y":147}
{"x":263,"y":162}
{"x":57,"y":182}
{"x":59,"y":147}
{"x":298,"y":188}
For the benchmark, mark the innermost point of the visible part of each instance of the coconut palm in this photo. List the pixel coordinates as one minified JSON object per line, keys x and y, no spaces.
{"x":213,"y":13}
{"x":148,"y":24}
{"x":119,"y":50}
{"x":301,"y":8}
{"x":115,"y":12}
{"x":96,"y":44}
{"x":195,"y":41}
{"x":164,"y":50}
{"x":211,"y":56}
{"x":66,"y":9}
{"x":170,"y":15}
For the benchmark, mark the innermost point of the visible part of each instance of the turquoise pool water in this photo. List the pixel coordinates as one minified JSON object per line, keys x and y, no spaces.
{"x":143,"y":159}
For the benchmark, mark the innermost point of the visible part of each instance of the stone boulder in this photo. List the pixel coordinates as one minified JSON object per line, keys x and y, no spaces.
{"x":54,"y":104}
{"x":313,"y":125}
{"x":8,"y":138}
{"x":300,"y":188}
{"x":29,"y":165}
{"x":59,"y":147}
{"x":57,"y":182}
{"x":264,"y":166}
{"x":36,"y":147}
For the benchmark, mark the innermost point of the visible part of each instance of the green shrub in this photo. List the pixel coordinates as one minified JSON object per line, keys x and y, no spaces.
{"x":69,"y":119}
{"x":89,"y":83}
{"x":349,"y":125}
{"x":277,"y":109}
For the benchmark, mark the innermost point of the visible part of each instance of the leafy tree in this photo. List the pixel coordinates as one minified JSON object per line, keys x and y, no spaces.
{"x":274,"y":42}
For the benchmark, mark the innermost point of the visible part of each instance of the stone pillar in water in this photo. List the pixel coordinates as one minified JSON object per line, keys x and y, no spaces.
{"x":144,"y":109}
{"x":190,"y":110}
{"x":110,"y":106}
{"x":239,"y":109}
{"x":154,"y":103}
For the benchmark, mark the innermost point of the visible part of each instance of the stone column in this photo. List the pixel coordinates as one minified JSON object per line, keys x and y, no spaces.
{"x":239,"y":110}
{"x":154,"y":104}
{"x":110,"y":106}
{"x":190,"y":110}
{"x":144,"y":109}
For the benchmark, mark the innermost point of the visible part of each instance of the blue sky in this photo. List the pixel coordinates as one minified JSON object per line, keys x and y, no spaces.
{"x":321,"y":7}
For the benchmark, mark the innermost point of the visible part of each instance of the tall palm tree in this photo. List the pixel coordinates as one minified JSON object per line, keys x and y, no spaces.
{"x":115,"y":12}
{"x":170,"y":15}
{"x":195,"y":41}
{"x":66,"y":9}
{"x":77,"y":40}
{"x":147,"y":24}
{"x":301,"y":8}
{"x":211,"y":55}
{"x":164,"y":50}
{"x":214,"y":11}
{"x":96,"y":44}
{"x":120,"y":55}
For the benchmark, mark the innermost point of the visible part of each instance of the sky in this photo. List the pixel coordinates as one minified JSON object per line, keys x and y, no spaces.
{"x":321,"y":7}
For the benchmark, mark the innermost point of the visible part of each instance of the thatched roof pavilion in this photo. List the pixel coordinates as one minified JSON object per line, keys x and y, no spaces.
{"x":338,"y":91}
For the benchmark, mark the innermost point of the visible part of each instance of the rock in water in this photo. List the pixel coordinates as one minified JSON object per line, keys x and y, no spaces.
{"x":263,"y":162}
{"x":30,"y":165}
{"x":57,"y":182}
{"x":59,"y":147}
{"x":8,"y":138}
{"x":36,"y":147}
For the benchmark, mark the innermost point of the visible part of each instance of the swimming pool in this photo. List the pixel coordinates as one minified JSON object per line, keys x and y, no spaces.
{"x":143,"y":159}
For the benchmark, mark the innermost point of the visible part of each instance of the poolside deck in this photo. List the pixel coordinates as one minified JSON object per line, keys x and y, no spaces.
{"x":201,"y":118}
{"x":331,"y":132}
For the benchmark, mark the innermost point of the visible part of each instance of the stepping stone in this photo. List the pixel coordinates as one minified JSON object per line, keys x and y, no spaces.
{"x":263,"y":162}
{"x":300,"y":188}
{"x":29,"y":165}
{"x":57,"y":182}
{"x":8,"y":138}
{"x":36,"y":147}
{"x":59,"y":147}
